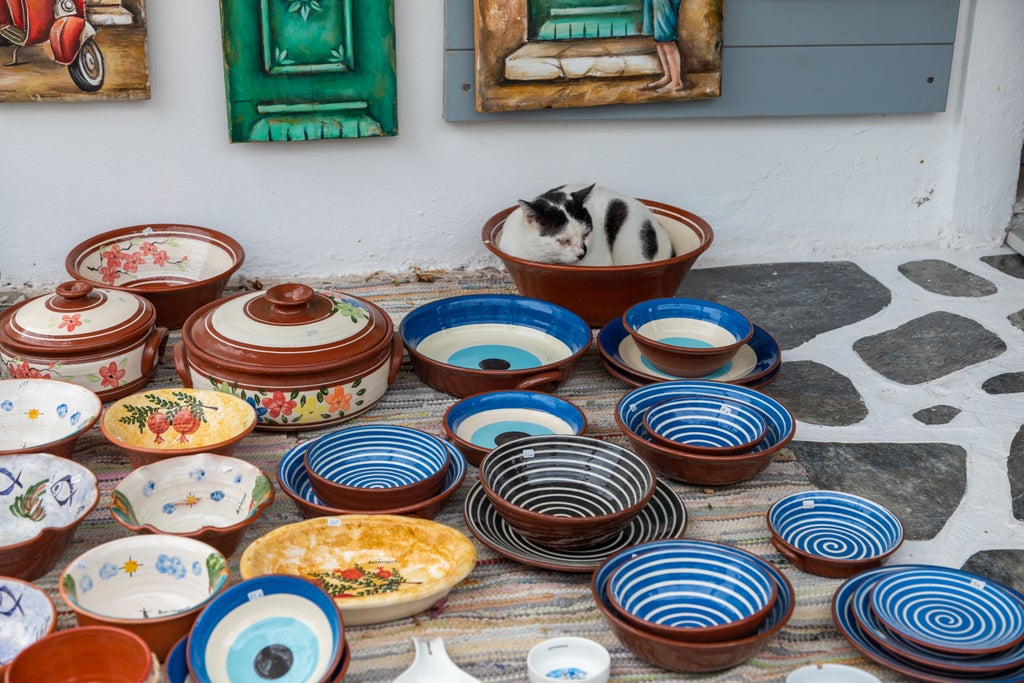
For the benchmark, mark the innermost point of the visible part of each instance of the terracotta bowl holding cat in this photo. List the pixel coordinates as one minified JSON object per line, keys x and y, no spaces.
{"x":600,"y":293}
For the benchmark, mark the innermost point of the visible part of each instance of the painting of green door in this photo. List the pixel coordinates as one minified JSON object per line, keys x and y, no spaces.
{"x":309,"y":69}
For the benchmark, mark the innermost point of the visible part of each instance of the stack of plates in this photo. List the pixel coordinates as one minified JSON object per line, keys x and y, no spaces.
{"x":934,"y":623}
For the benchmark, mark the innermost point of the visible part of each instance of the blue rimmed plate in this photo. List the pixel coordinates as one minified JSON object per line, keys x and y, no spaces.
{"x":664,"y":516}
{"x":949,"y":610}
{"x":851,"y":629}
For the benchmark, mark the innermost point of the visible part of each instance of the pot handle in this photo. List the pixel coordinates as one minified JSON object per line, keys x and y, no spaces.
{"x":396,"y":357}
{"x":181,"y":365}
{"x":549,"y":379}
{"x":154,"y":349}
{"x":795,"y":559}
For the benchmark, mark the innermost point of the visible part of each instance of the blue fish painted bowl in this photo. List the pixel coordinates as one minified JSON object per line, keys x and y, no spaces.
{"x":153,"y":585}
{"x":44,"y":416}
{"x":43,"y":499}
{"x":695,"y":593}
{"x":480,"y":423}
{"x":681,"y":655}
{"x":294,"y":481}
{"x":373,"y":467}
{"x":705,"y":424}
{"x":834,"y":534}
{"x":466,"y":345}
{"x":26,"y":615}
{"x":266,"y":628}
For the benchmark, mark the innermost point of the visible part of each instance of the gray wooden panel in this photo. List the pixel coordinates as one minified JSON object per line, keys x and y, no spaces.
{"x":794,"y":22}
{"x":764,"y":81}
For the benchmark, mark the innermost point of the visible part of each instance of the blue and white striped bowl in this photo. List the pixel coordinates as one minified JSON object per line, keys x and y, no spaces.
{"x":835,"y":531}
{"x":375,"y":466}
{"x":949,"y":610}
{"x":692,"y":593}
{"x":705,"y":424}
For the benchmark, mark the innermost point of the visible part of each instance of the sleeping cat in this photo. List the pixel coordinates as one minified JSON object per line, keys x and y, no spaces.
{"x":585,"y":225}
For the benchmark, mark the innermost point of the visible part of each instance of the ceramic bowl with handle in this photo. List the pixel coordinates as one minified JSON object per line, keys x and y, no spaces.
{"x":45,"y":415}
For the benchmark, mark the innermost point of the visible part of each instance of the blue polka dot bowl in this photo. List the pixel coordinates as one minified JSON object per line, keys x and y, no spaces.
{"x":834,"y":534}
{"x":373,"y":467}
{"x":153,"y":585}
{"x":466,"y":345}
{"x":566,"y":492}
{"x":211,"y":498}
{"x":45,"y":415}
{"x":687,"y":337}
{"x":272,"y":627}
{"x":705,"y":424}
{"x":28,"y":615}
{"x":692,"y":593}
{"x":480,"y":423}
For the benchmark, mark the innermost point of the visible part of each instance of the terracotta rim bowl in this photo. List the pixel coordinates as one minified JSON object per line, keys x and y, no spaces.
{"x":98,"y":654}
{"x":153,"y":585}
{"x":46,"y":500}
{"x":705,"y":424}
{"x":178,"y":268}
{"x":686,"y":657}
{"x":210,"y":498}
{"x":479,"y":423}
{"x":45,"y":415}
{"x":35,"y":618}
{"x":566,"y":492}
{"x":163,"y":423}
{"x":466,"y":345}
{"x":599,"y":293}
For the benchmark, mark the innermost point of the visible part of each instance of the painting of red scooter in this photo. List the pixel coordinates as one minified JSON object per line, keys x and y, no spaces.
{"x":60,"y":47}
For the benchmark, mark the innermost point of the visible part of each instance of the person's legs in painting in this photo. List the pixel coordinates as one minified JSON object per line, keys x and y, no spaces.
{"x":661,"y":20}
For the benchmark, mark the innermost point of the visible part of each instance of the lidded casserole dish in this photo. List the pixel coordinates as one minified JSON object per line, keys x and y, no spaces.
{"x":303,"y":358}
{"x":103,"y":339}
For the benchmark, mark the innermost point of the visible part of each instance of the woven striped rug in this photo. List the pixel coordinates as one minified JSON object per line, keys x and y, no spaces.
{"x":493,"y":618}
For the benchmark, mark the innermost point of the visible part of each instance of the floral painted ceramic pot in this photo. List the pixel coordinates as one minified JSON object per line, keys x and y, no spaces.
{"x":102,"y":339}
{"x":303,"y":358}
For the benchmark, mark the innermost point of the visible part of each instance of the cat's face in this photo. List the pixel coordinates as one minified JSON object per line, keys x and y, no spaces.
{"x":559,"y":226}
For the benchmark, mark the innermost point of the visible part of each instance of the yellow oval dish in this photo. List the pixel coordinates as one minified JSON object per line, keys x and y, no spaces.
{"x":377,"y":567}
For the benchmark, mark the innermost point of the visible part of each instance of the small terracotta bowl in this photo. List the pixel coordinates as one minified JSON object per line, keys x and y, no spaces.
{"x":45,"y":415}
{"x":687,"y":337}
{"x":691,"y":657}
{"x":599,"y":293}
{"x":164,"y":423}
{"x":466,"y":345}
{"x":178,"y":268}
{"x":477,"y":424}
{"x":834,"y":534}
{"x":211,"y":498}
{"x":275,"y":626}
{"x":32,"y":616}
{"x":693,"y":593}
{"x":98,"y":654}
{"x":373,"y":467}
{"x":43,"y":501}
{"x":153,"y":585}
{"x":566,"y":492}
{"x":705,"y":424}
{"x":294,"y":481}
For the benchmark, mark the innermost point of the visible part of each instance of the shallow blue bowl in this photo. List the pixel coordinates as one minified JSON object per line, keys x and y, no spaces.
{"x":176,"y":664}
{"x":705,"y":424}
{"x":466,"y":345}
{"x":479,"y":423}
{"x":275,"y":625}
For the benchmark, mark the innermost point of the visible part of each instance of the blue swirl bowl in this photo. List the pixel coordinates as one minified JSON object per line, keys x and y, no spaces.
{"x":834,"y":534}
{"x":705,"y":424}
{"x":371,"y":467}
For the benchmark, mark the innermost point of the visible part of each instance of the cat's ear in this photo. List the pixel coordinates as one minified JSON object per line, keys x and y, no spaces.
{"x":528,"y":211}
{"x":580,"y":196}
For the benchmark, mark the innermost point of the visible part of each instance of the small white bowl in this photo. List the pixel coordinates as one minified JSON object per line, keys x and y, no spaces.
{"x":45,"y":415}
{"x":568,"y":658}
{"x":830,"y":673}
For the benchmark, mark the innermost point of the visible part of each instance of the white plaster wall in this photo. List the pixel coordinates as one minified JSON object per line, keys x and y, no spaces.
{"x":773,"y":189}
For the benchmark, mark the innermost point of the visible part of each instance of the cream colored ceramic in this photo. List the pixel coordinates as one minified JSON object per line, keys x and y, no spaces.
{"x":26,"y":615}
{"x":741,"y":365}
{"x":45,"y":416}
{"x":40,"y":491}
{"x":522,"y":347}
{"x":377,"y":567}
{"x":696,"y":333}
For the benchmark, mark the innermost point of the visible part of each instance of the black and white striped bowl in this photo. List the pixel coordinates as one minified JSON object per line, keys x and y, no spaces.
{"x":566,"y":491}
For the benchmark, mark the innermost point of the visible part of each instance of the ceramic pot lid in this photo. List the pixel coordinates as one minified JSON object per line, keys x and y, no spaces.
{"x":286,"y":328}
{"x":77,"y":317}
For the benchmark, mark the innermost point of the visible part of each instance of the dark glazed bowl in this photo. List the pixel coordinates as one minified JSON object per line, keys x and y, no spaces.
{"x":178,"y":268}
{"x":466,"y":345}
{"x":599,"y":293}
{"x":566,"y":492}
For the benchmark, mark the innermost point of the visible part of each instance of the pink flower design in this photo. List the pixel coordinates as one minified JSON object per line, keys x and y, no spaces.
{"x":338,"y":400}
{"x":148,"y":248}
{"x":160,"y":258}
{"x":277,"y":404}
{"x":113,"y":256}
{"x":111,"y":375}
{"x":70,"y":322}
{"x":132,"y":262}
{"x":24,"y":371}
{"x":109,"y":273}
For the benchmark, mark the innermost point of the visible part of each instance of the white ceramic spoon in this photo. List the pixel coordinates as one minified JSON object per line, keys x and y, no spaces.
{"x":433,"y":665}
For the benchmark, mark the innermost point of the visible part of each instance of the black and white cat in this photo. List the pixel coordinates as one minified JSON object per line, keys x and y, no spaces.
{"x":585,"y":225}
